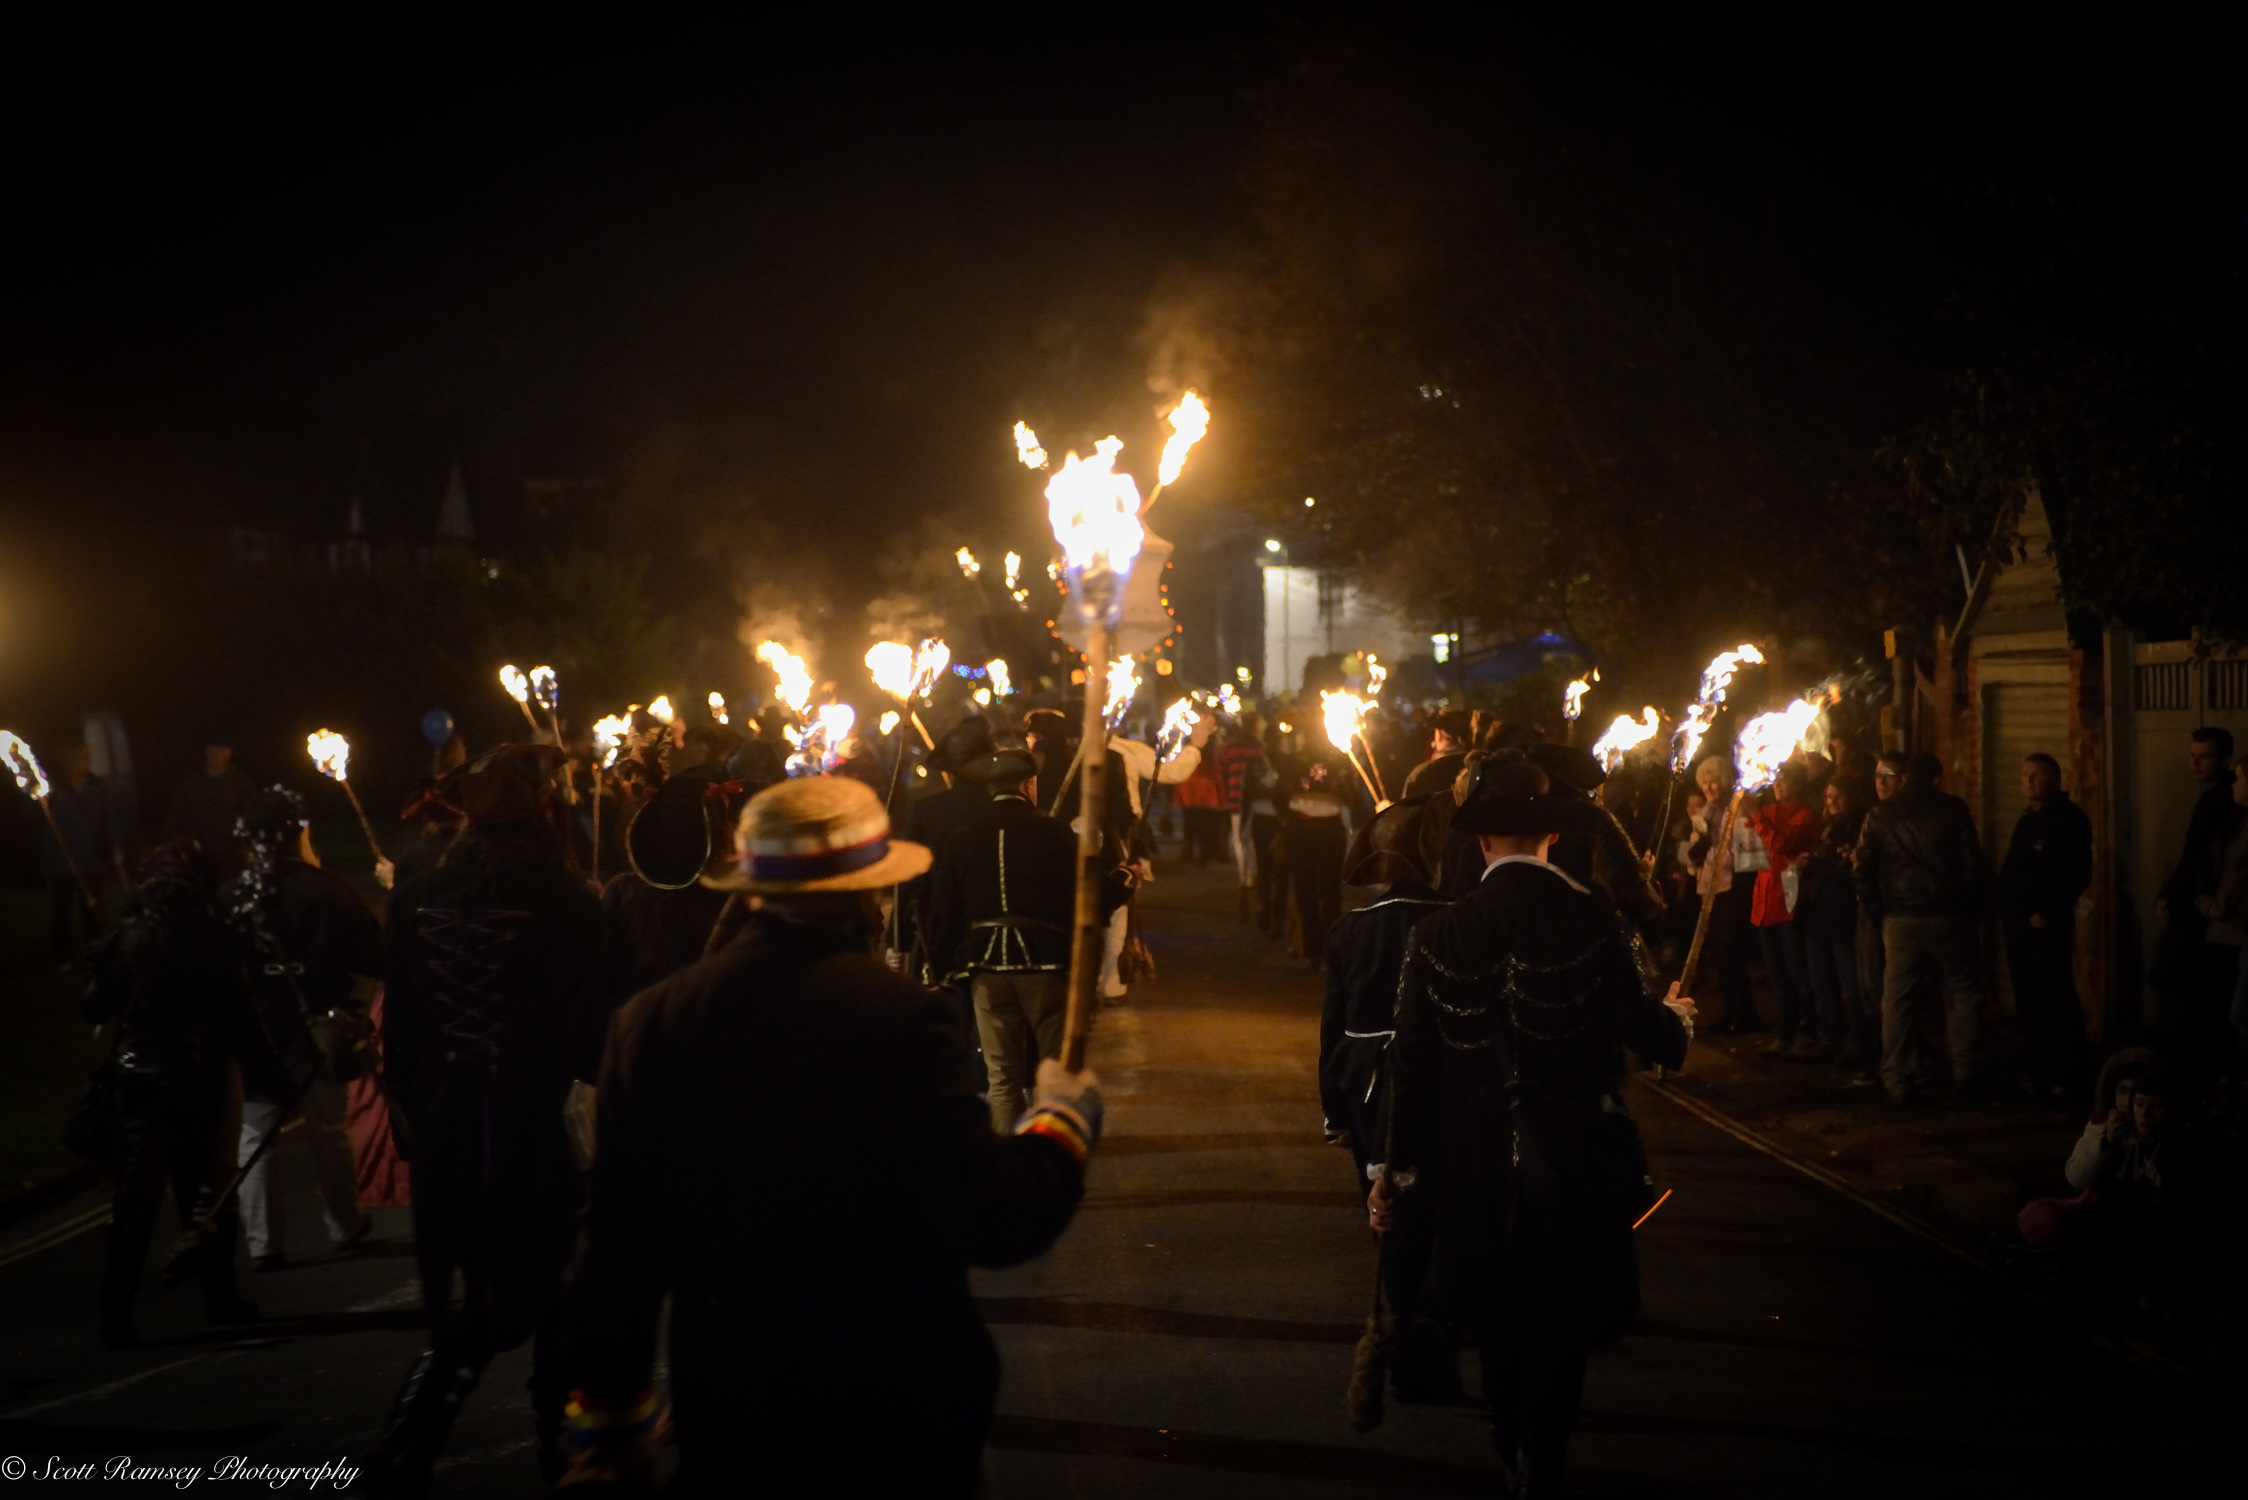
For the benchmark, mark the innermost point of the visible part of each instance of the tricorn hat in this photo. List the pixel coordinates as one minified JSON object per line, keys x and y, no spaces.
{"x":1508,"y":795}
{"x":503,"y":785}
{"x":1008,"y":765}
{"x":817,"y":833}
{"x":1568,"y":765}
{"x":963,"y":742}
{"x":1394,"y":845}
{"x":679,"y":831}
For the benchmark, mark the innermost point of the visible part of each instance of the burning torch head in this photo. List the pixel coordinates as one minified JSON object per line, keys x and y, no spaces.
{"x":31,"y":777}
{"x":1095,"y":513}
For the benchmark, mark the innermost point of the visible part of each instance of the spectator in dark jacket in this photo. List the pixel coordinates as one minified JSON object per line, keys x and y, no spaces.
{"x":208,"y":802}
{"x":1826,"y":912}
{"x":1920,"y":874}
{"x":2191,"y":1005}
{"x":2048,"y":866}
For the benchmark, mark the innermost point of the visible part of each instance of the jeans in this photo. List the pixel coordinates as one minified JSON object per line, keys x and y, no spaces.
{"x":1950,"y":947}
{"x":333,"y":1167}
{"x":1019,"y":1019}
{"x":1782,"y":944}
{"x":1833,"y":967}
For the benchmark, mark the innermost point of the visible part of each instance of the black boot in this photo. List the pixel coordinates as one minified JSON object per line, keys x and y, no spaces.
{"x":222,"y":1304}
{"x":421,"y":1420}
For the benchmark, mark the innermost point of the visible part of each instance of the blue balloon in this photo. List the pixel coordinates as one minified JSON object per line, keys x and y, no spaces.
{"x":437,"y":728}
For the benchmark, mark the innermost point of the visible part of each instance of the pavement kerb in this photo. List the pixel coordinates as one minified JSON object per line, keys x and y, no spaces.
{"x":2133,"y":1351}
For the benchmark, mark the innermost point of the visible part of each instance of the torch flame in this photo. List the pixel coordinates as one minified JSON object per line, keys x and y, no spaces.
{"x":661,"y":708}
{"x":889,"y":721}
{"x":1026,"y":447}
{"x":1178,"y":723}
{"x":1624,"y":736}
{"x":1189,"y":421}
{"x":929,"y":662}
{"x":518,"y":686}
{"x":891,"y":665}
{"x":609,"y":735}
{"x":1717,"y":677}
{"x":996,"y":671}
{"x":31,"y":777}
{"x":1376,"y":675}
{"x":1345,"y":713}
{"x":795,"y":678}
{"x":1573,"y":696}
{"x":1123,"y":687}
{"x":1014,"y":567}
{"x":1768,"y":740}
{"x":718,"y":707}
{"x":547,"y":688}
{"x":330,"y":752}
{"x":1095,"y":513}
{"x":819,"y":744}
{"x":969,"y":567}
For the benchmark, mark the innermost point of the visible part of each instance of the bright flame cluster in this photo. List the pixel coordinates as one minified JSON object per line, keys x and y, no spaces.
{"x":547,"y":688}
{"x":1376,"y":675}
{"x":661,"y":708}
{"x":1178,"y":723}
{"x":795,"y":678}
{"x":819,"y":744}
{"x":1123,"y":687}
{"x":330,"y":752}
{"x":31,"y":777}
{"x":518,"y":686}
{"x":1626,"y":735}
{"x":1769,"y":740}
{"x":1717,"y":677}
{"x":1095,"y":513}
{"x":609,"y":735}
{"x":969,"y":567}
{"x":995,"y":672}
{"x":1189,"y":421}
{"x":1345,"y":713}
{"x":889,"y":722}
{"x":718,"y":707}
{"x":904,"y":672}
{"x":1573,"y":696}
{"x":1026,"y":447}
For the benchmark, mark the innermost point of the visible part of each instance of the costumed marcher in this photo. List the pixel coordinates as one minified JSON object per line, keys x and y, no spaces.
{"x":1397,"y":848}
{"x":1312,"y":839}
{"x":1514,"y":1014}
{"x":315,"y":952}
{"x":1448,"y":746}
{"x":658,"y":915}
{"x":1142,"y":764}
{"x":173,"y":977}
{"x":492,"y":1010}
{"x":931,"y":818}
{"x":1002,"y":897}
{"x":1605,"y":858}
{"x":1238,"y":762}
{"x":792,"y":1152}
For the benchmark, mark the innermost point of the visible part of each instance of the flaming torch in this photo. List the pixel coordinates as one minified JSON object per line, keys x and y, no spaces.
{"x":31,"y":780}
{"x":547,"y":688}
{"x":609,"y":735}
{"x":1189,"y":420}
{"x":1123,"y":687}
{"x":1573,"y":699}
{"x":718,"y":707}
{"x":331,"y":757}
{"x":1095,"y":513}
{"x":995,"y":672}
{"x":1345,"y":715}
{"x":519,"y":688}
{"x":1765,"y":744}
{"x":1027,"y":449}
{"x":1178,"y":722}
{"x":1624,"y":736}
{"x":1717,"y":678}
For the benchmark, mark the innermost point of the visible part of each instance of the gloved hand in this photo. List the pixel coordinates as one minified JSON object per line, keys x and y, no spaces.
{"x":1078,"y":1093}
{"x":1683,"y":1007}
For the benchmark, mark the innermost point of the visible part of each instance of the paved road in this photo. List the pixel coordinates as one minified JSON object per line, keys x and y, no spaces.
{"x":1192,"y":1334}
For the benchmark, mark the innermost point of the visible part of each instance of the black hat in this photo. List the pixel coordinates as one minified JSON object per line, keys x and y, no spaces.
{"x":963,"y":742}
{"x":275,"y":816}
{"x":1009,"y":765}
{"x":1508,"y":795}
{"x":1044,"y":721}
{"x":1394,"y":845}
{"x":681,"y":830}
{"x":1568,"y":765}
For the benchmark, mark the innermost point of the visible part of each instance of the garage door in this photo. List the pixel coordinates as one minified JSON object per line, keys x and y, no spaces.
{"x":2018,"y":719}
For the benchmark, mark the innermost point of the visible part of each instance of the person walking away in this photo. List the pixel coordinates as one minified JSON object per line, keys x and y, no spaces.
{"x":1237,"y":761}
{"x":492,"y":1009}
{"x":173,"y":977}
{"x":92,"y":848}
{"x":2180,"y":973}
{"x":1313,"y":843}
{"x":1201,"y":803}
{"x":1723,"y":878}
{"x":1920,"y":875}
{"x":208,"y":803}
{"x":1826,"y":914}
{"x":793,"y":1050}
{"x":1515,"y":1010}
{"x":932,"y":818}
{"x":1140,"y":766}
{"x":1789,"y":830}
{"x":313,"y":947}
{"x":1397,"y":848}
{"x":1447,"y":747}
{"x":1002,"y":898}
{"x":2048,"y":866}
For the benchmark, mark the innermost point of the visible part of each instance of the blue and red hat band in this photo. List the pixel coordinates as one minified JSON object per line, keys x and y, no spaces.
{"x":762,"y":867}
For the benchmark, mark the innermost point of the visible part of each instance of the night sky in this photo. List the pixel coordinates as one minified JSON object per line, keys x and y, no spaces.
{"x":751,"y":291}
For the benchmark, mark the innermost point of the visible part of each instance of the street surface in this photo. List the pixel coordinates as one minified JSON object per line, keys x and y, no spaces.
{"x":1191,"y":1335}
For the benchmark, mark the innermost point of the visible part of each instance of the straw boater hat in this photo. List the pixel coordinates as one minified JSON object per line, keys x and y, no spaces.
{"x":1508,"y":795}
{"x":817,"y":833}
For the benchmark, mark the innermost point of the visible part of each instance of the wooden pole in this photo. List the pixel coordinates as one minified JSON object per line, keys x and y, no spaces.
{"x":1722,"y":849}
{"x":364,"y":826}
{"x":85,"y":887}
{"x":1087,"y":936}
{"x":1352,"y":756}
{"x":1381,"y":792}
{"x":597,"y":815}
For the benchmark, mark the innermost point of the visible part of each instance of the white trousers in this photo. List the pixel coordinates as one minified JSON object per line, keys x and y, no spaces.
{"x":1112,"y":949}
{"x":1245,"y":850}
{"x":333,"y":1168}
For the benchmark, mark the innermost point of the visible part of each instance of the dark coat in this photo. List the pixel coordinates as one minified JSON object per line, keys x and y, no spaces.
{"x":2215,"y":817}
{"x":931,"y":820}
{"x":1514,"y":1014}
{"x":325,"y":930}
{"x":1018,"y":867}
{"x":175,"y":977}
{"x":1365,"y":955}
{"x":792,"y":1149}
{"x":494,"y":1005}
{"x":1918,"y":857}
{"x":205,"y":808}
{"x":652,"y":933}
{"x":1435,"y":775}
{"x":2048,"y":864}
{"x":1826,"y":904}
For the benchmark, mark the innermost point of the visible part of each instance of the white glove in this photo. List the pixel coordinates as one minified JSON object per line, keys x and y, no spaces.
{"x":1079,"y":1093}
